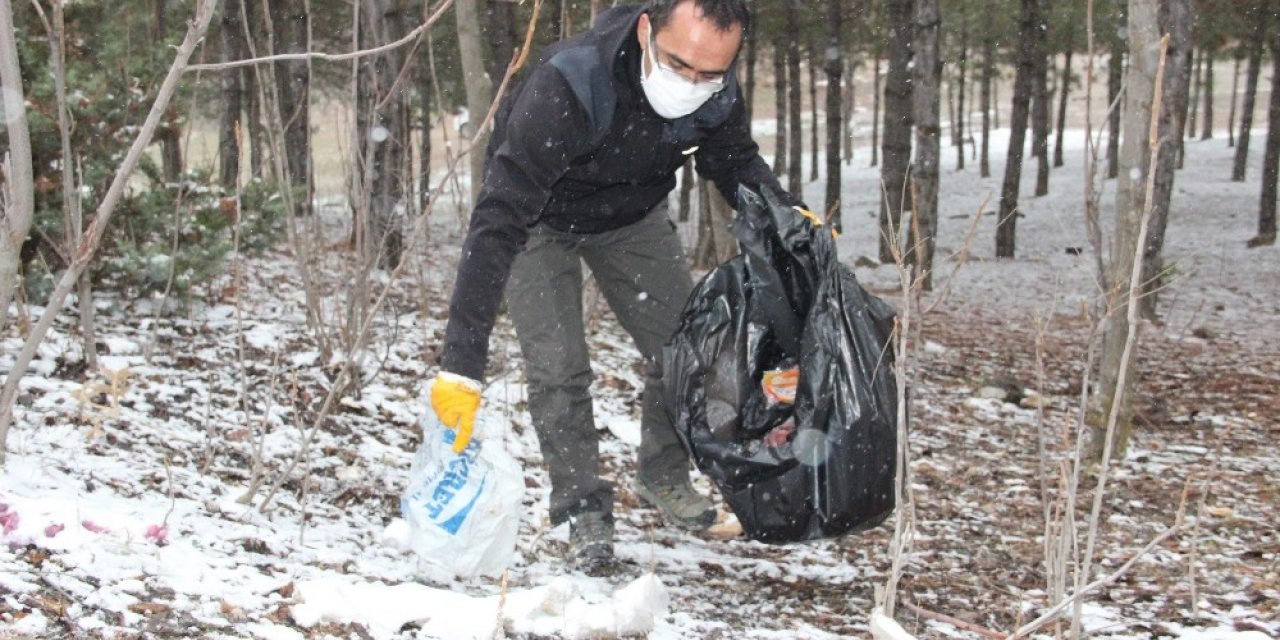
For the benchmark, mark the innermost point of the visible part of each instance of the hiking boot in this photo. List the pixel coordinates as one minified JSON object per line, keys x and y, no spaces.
{"x":679,"y":503}
{"x":591,"y":542}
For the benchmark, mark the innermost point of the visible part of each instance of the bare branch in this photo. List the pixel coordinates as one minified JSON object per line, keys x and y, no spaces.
{"x":333,"y":57}
{"x":93,"y":236}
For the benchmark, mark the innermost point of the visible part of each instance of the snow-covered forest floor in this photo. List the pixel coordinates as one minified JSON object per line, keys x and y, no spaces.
{"x":126,"y":511}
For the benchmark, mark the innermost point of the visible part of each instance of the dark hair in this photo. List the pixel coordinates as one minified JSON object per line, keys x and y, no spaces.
{"x":724,"y":13}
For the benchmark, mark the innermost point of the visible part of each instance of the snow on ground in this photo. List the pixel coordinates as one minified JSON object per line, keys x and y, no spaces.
{"x":135,"y":507}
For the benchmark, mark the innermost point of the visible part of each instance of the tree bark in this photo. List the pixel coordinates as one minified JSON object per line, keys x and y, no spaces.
{"x":231,"y":47}
{"x":780,"y":106}
{"x":1256,"y":44}
{"x":555,"y":20}
{"x":1197,"y":87}
{"x":252,"y":104}
{"x":17,"y":192}
{"x":1007,"y":220}
{"x":170,"y":134}
{"x":426,"y":89}
{"x":479,"y":89}
{"x":847,"y":104}
{"x":1206,"y":132}
{"x":686,"y":190}
{"x":927,"y":102}
{"x":813,"y":112}
{"x":962,"y":65}
{"x":1177,"y":18}
{"x":499,"y":27}
{"x":290,"y":25}
{"x":1231,"y":111}
{"x":384,"y":136}
{"x":1116,"y":390}
{"x":834,"y":67}
{"x":1115,"y":84}
{"x":1040,"y":107}
{"x":876,"y":92}
{"x":714,"y":244}
{"x":749,"y":88}
{"x":988,"y":76}
{"x":1271,"y":157}
{"x":898,"y":121}
{"x":795,"y":166}
{"x":1063,"y":93}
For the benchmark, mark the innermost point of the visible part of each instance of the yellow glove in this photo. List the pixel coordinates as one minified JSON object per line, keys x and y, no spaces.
{"x":813,"y":217}
{"x":456,"y":399}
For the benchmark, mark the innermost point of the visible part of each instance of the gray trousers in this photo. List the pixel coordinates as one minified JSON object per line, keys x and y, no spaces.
{"x":642,"y":273}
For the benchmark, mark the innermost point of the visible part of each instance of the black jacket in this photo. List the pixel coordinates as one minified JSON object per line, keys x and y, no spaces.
{"x":577,"y":147}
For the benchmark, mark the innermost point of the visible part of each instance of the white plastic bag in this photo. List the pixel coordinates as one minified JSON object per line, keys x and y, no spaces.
{"x":463,"y":509}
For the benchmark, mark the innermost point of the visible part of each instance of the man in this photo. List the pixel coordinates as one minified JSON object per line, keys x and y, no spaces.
{"x":581,"y":161}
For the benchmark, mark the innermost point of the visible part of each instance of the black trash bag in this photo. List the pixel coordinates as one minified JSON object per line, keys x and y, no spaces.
{"x":823,"y":466}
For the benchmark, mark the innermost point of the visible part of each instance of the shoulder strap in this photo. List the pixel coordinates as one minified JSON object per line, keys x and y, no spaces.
{"x":591,"y":85}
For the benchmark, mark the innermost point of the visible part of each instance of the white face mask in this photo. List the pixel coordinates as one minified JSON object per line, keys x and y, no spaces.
{"x":670,"y":94}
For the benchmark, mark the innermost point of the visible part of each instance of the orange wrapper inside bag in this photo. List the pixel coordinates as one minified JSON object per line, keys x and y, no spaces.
{"x":779,"y":385}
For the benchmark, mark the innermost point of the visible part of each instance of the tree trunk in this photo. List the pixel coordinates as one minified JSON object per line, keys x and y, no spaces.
{"x":749,"y":89}
{"x":1063,"y":93}
{"x":1271,"y":157}
{"x":896,"y":148}
{"x":1177,"y":18}
{"x":686,"y":191}
{"x":384,"y":139}
{"x":1007,"y":221}
{"x":170,"y":135}
{"x":499,"y":27}
{"x":876,"y":92}
{"x":780,"y":106}
{"x":715,"y":243}
{"x":988,"y":76}
{"x":834,"y":67}
{"x":253,"y":117}
{"x":231,"y":47}
{"x":18,"y":203}
{"x":1040,"y":107}
{"x":1117,"y":379}
{"x":847,"y":103}
{"x":927,"y":101}
{"x":290,"y":24}
{"x":1256,"y":44}
{"x":795,"y":166}
{"x":479,"y":89}
{"x":1197,"y":87}
{"x":1206,"y":132}
{"x":813,"y":112}
{"x":1115,"y":84}
{"x":1231,"y":111}
{"x":961,"y":68}
{"x":426,"y":89}
{"x":1180,"y":135}
{"x":555,"y":19}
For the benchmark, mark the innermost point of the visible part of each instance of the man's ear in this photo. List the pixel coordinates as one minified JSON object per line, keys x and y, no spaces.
{"x":642,"y":34}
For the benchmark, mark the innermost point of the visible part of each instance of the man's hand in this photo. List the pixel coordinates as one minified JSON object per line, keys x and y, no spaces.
{"x":813,"y":217}
{"x":456,"y":399}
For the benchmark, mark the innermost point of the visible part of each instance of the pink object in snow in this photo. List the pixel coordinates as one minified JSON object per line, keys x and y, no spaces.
{"x":158,"y":533}
{"x":53,"y":530}
{"x":94,"y":527}
{"x":9,"y":519}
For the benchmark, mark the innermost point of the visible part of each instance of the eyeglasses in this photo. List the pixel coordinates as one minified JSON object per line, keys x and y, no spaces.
{"x":701,"y":79}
